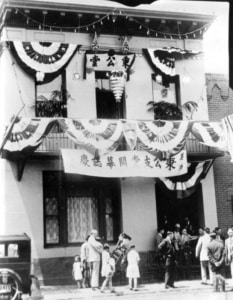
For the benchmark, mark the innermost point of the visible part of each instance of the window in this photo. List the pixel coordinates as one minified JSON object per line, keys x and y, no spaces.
{"x":51,"y":98}
{"x":164,"y":89}
{"x":73,"y":205}
{"x":107,"y":107}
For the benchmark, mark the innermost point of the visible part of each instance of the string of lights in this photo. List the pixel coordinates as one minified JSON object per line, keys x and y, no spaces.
{"x":113,"y":16}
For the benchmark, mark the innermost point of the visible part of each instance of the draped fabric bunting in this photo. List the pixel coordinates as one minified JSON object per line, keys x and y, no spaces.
{"x":210,"y":134}
{"x":43,"y":60}
{"x":186,"y":184}
{"x":162,"y":138}
{"x":27,"y":134}
{"x":227,"y":124}
{"x":162,"y":60}
{"x":97,"y":136}
{"x":123,"y":164}
{"x":109,"y":61}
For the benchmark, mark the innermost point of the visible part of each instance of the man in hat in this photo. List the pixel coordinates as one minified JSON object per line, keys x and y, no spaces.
{"x":229,"y":250}
{"x":201,"y":252}
{"x":94,"y":255}
{"x":216,"y":256}
{"x":168,"y":249}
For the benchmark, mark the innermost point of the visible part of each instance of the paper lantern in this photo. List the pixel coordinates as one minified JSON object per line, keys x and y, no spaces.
{"x":117,"y":83}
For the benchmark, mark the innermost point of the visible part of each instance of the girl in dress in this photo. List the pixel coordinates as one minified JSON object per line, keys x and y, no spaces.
{"x":77,"y":270}
{"x":132,"y":272}
{"x":108,"y":269}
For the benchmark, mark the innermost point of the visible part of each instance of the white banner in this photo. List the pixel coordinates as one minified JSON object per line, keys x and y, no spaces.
{"x":123,"y":164}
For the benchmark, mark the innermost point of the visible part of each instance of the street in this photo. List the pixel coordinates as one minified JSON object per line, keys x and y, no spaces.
{"x":185,"y":290}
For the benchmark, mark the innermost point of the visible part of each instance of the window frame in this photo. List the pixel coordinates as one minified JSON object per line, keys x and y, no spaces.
{"x":96,"y":187}
{"x":63,"y":93}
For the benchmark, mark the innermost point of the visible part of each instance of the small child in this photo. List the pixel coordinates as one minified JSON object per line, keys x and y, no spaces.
{"x":77,"y":270}
{"x":108,"y":268}
{"x":132,"y":271}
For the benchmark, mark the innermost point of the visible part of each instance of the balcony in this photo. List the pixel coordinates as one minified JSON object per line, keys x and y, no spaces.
{"x":58,"y":140}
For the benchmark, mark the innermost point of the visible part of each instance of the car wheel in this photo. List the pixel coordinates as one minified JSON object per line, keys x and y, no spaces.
{"x":12,"y":281}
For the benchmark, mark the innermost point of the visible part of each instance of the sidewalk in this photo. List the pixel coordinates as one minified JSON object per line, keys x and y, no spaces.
{"x":184,"y":290}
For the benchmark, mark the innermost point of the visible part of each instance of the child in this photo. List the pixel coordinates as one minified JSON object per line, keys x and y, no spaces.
{"x":77,"y":270}
{"x":108,"y":268}
{"x":132,"y":271}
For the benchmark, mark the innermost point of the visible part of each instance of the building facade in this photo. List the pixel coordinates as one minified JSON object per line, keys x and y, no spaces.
{"x":58,"y":209}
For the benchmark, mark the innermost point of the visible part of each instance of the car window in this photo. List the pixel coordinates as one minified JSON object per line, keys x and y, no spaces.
{"x":2,"y":250}
{"x":13,"y":250}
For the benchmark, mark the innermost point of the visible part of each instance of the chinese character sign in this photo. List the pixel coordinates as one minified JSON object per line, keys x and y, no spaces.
{"x":123,"y":164}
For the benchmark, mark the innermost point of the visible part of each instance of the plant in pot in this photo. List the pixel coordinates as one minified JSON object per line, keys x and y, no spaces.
{"x":164,"y":110}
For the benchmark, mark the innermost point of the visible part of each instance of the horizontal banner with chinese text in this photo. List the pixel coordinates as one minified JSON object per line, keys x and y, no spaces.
{"x":123,"y":164}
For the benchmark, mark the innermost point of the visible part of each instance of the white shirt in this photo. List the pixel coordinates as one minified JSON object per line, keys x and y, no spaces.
{"x":201,"y":248}
{"x":95,"y":249}
{"x":133,"y":257}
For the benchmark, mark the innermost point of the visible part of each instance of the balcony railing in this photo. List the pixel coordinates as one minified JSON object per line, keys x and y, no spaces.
{"x":55,"y":141}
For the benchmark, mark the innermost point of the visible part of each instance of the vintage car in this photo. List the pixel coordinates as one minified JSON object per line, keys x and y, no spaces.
{"x":15,"y":262}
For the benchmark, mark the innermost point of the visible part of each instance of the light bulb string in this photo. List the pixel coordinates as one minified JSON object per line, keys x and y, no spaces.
{"x":100,"y":20}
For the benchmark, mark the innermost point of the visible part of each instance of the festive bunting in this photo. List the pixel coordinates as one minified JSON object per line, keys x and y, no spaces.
{"x":162,"y":138}
{"x":27,"y":134}
{"x":210,"y":134}
{"x":109,"y":61}
{"x":227,"y":124}
{"x":186,"y":184}
{"x":98,"y":137}
{"x":162,"y":60}
{"x":44,"y":61}
{"x":123,"y":164}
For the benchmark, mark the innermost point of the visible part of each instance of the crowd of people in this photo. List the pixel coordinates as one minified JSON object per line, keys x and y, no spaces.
{"x":94,"y":254}
{"x":213,"y":249}
{"x":174,"y":248}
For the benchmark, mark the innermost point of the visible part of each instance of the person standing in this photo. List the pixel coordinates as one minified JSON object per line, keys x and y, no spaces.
{"x":108,"y":269}
{"x":229,"y":250}
{"x":95,"y":250}
{"x":77,"y":271}
{"x":84,"y":254}
{"x":132,"y":271}
{"x":168,"y":249}
{"x":216,"y":256}
{"x":201,"y":252}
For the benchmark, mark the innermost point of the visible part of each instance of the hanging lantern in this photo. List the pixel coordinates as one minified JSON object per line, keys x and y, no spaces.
{"x":94,"y":44}
{"x":117,"y":83}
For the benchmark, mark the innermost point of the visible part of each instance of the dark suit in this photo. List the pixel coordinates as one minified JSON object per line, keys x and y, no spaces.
{"x":216,"y":256}
{"x":167,"y":248}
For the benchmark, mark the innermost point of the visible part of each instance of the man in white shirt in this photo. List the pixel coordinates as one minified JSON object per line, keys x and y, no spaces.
{"x":202,"y":253}
{"x":229,"y":250}
{"x":94,"y":255}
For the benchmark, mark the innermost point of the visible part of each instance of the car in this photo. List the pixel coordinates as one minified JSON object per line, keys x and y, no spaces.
{"x":15,"y":266}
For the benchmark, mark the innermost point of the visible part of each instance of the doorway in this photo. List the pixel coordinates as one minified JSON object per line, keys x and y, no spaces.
{"x":176,"y":209}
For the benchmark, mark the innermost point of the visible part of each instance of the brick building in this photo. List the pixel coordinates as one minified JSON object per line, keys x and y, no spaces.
{"x":220,"y":104}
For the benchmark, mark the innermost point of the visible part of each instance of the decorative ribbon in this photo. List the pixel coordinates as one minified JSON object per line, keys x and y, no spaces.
{"x":27,"y":134}
{"x":210,"y":134}
{"x":227,"y":124}
{"x":44,"y":61}
{"x":95,"y":136}
{"x":162,"y":60}
{"x":187,"y":184}
{"x":162,"y":137}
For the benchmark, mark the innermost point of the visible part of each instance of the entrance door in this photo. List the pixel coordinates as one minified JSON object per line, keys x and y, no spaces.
{"x":177,"y":209}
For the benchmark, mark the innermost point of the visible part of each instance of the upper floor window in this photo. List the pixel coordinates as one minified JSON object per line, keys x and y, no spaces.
{"x":106,"y":105}
{"x":51,"y":98}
